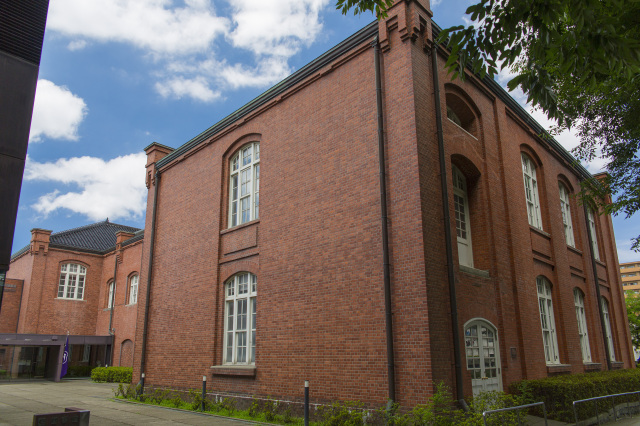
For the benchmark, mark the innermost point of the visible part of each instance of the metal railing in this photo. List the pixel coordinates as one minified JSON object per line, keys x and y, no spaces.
{"x":519,"y":407}
{"x":613,"y":404}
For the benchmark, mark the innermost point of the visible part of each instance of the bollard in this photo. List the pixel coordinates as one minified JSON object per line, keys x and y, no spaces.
{"x":204,"y":391}
{"x":306,"y":403}
{"x":141,"y":386}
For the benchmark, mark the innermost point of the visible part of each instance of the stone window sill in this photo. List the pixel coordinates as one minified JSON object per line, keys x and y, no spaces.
{"x":234,"y":370}
{"x":558,"y":368}
{"x":474,"y":271}
{"x":540,"y":232}
{"x":592,"y":366}
{"x":237,"y":227}
{"x":575,"y":250}
{"x":617,"y":365}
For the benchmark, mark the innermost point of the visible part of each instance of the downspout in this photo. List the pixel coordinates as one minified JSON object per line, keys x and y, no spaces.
{"x":391,"y":375}
{"x":113,"y":298}
{"x":148,"y":293}
{"x":597,"y":282}
{"x":447,"y":230}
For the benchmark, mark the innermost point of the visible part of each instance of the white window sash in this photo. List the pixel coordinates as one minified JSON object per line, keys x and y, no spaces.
{"x":244,"y":185}
{"x":594,"y":235}
{"x":240,"y":320}
{"x":531,"y":192}
{"x":547,"y":321}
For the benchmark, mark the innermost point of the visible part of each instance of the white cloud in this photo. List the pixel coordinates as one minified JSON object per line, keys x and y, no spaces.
{"x":57,"y":113}
{"x":148,"y":24}
{"x":183,"y":41}
{"x":275,"y":27}
{"x":196,"y":88}
{"x":77,"y":45}
{"x":268,"y":71}
{"x":113,"y":188}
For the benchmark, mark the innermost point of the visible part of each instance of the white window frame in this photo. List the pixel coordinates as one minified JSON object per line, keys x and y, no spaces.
{"x":531,"y":191}
{"x":607,"y":326}
{"x":581,"y":318}
{"x":594,"y":234}
{"x":565,"y":206}
{"x":112,"y":289}
{"x":72,"y":280}
{"x":239,"y":341}
{"x":244,"y":185}
{"x":133,"y":289}
{"x":547,"y":321}
{"x":462,"y":217}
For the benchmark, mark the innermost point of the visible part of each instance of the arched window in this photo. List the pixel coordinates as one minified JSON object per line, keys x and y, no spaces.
{"x":547,"y":322}
{"x":463,"y":226}
{"x":591,"y":219}
{"x":71,"y":284}
{"x":240,"y":319}
{"x":566,"y":215}
{"x":133,"y":289}
{"x":112,"y":290}
{"x":244,"y":185}
{"x":531,"y":191}
{"x":578,"y":301}
{"x":607,"y":327}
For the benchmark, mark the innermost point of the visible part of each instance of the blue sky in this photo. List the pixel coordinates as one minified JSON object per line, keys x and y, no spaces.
{"x":117,"y":75}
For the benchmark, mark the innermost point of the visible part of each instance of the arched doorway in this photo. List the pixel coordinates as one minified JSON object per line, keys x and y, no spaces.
{"x":483,"y":356}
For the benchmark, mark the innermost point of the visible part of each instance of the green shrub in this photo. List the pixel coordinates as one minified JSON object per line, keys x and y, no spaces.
{"x":79,"y":371}
{"x":559,"y":392}
{"x":112,"y":374}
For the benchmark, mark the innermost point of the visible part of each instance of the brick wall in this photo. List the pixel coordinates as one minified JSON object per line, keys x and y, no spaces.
{"x":316,"y":248}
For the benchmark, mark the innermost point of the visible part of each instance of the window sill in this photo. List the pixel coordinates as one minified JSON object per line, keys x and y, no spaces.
{"x":540,"y":232}
{"x":244,"y":225}
{"x":575,"y":250}
{"x":601,"y":263}
{"x":234,"y":370}
{"x":473,"y":271}
{"x":70,"y":299}
{"x":617,"y":365}
{"x":558,"y":368}
{"x":592,"y":366}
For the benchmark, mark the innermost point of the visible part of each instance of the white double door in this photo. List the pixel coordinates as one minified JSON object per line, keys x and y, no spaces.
{"x":483,"y":356}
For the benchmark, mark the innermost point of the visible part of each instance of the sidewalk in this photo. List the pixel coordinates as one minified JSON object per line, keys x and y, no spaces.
{"x":19,"y":401}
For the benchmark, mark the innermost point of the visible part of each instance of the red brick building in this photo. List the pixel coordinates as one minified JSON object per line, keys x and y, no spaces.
{"x":63,"y":283}
{"x":266,"y":244}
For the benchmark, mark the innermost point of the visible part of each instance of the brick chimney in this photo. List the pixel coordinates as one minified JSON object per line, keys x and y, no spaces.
{"x":40,"y":241}
{"x":155,"y":152}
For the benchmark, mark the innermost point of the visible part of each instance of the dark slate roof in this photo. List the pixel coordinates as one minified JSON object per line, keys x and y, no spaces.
{"x":97,"y":237}
{"x":137,"y":237}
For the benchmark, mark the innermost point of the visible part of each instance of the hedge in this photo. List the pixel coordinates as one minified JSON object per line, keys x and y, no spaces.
{"x":559,"y":392}
{"x":112,"y":374}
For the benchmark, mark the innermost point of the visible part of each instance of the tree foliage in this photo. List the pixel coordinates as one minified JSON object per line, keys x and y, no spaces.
{"x":577,"y":60}
{"x":633,"y":313}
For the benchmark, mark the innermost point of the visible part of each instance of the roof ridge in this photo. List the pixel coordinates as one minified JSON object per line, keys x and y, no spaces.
{"x":91,"y":225}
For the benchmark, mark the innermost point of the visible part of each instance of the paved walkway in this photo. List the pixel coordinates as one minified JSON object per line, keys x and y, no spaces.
{"x":19,"y":401}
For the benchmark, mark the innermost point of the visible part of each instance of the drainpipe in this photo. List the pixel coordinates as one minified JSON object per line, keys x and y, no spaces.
{"x":597,"y":282}
{"x":148,"y":293}
{"x":447,"y":230}
{"x":391,"y":375}
{"x":113,"y":299}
